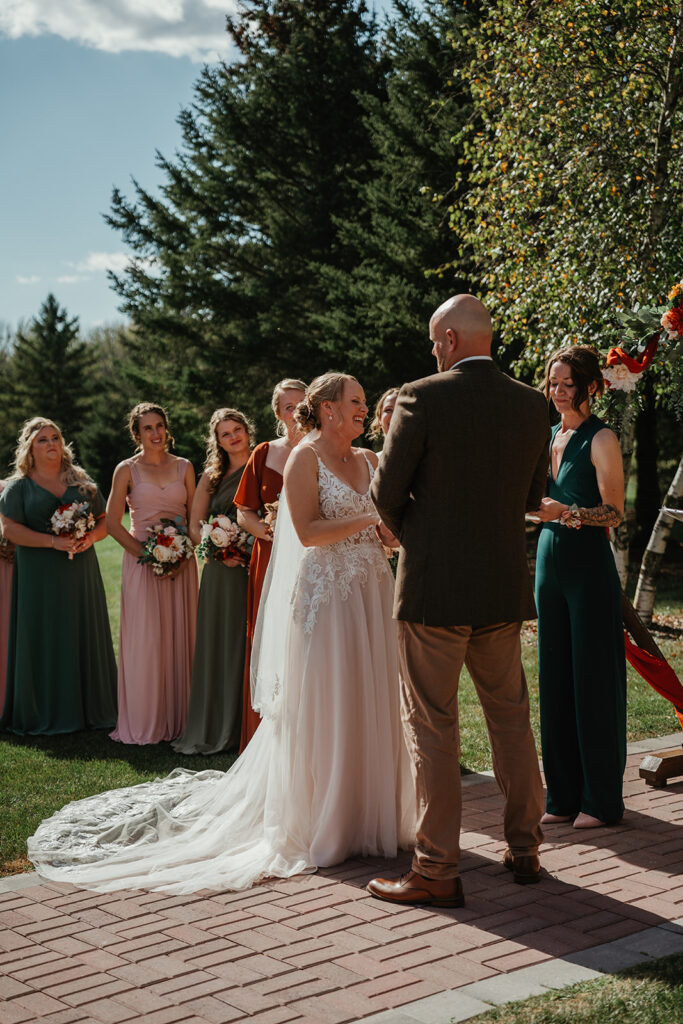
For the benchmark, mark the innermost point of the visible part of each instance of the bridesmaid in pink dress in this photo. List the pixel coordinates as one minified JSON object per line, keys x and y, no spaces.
{"x":6,"y":568}
{"x":157,"y":614}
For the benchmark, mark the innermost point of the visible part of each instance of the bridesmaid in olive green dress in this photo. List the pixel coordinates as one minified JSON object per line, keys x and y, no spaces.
{"x":215,"y":712}
{"x":61,"y":673}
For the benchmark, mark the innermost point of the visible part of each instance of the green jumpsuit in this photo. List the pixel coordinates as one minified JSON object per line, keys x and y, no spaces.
{"x":582,"y":667}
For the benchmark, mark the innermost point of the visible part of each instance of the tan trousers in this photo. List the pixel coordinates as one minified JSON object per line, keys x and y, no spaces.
{"x":431,"y":659}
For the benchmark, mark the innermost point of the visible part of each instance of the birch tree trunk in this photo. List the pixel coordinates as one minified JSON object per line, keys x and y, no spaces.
{"x":649,"y":567}
{"x":620,"y":534}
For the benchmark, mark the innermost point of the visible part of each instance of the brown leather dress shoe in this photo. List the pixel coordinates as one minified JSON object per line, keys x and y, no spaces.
{"x":418,"y":890}
{"x":526,"y":868}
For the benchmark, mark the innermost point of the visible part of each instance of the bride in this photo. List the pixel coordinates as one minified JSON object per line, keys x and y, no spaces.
{"x":326,"y":774}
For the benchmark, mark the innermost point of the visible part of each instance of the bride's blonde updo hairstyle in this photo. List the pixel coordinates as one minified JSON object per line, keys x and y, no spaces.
{"x":327,"y":388}
{"x":288,"y":384}
{"x":143,"y":409}
{"x":71,"y":474}
{"x":218,"y":460}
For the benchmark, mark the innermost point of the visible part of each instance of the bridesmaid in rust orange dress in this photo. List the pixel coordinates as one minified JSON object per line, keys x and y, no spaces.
{"x":261,"y":484}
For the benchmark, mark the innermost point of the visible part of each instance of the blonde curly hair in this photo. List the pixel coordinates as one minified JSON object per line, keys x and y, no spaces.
{"x":375,"y":428}
{"x":71,"y":474}
{"x":217,"y":460}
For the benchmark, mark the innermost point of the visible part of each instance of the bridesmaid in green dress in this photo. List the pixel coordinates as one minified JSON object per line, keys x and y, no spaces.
{"x":582,"y":668}
{"x":61,"y":673}
{"x":215,"y":712}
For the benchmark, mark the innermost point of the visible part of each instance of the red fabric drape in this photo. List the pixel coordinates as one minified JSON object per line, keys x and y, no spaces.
{"x":617,"y":355}
{"x":658,"y":673}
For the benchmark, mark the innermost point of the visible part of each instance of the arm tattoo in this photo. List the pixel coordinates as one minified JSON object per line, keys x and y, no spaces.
{"x":601,"y":515}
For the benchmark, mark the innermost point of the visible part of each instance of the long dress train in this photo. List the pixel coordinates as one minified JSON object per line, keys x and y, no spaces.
{"x":325,"y":776}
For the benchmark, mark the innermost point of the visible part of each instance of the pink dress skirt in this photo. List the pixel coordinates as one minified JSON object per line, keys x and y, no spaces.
{"x":158,"y":619}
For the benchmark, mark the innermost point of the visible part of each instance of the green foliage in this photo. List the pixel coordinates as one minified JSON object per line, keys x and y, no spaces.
{"x":7,"y":415}
{"x":572,"y":165}
{"x":649,"y":993}
{"x":655,"y":334}
{"x":379,"y":308}
{"x":104,"y":439}
{"x":46,"y":372}
{"x":226,"y":291}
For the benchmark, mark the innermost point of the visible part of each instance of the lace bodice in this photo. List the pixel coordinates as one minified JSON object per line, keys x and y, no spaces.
{"x":334,"y":566}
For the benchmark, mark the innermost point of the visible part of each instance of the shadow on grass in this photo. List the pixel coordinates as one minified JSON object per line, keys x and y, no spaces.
{"x":95,"y":745}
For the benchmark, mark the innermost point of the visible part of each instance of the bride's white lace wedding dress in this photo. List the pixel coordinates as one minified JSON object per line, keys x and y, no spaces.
{"x":326,"y":774}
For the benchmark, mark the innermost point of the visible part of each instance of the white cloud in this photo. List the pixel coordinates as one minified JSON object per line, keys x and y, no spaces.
{"x":179,"y":28}
{"x":98,"y":262}
{"x":33,"y":279}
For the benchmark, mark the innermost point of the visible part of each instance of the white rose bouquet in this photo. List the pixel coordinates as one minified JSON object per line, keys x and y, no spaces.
{"x":222,"y":539}
{"x":166,"y":547}
{"x":74,"y":519}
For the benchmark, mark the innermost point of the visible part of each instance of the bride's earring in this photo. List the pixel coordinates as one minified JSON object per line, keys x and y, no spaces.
{"x":329,"y":417}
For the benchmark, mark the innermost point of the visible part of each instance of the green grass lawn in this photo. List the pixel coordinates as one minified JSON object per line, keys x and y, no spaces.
{"x":651,"y":993}
{"x":41,"y":774}
{"x":110,"y":556}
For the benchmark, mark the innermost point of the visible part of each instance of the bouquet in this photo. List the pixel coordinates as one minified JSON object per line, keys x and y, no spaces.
{"x":6,"y":549}
{"x":270,"y":516}
{"x":222,"y":538}
{"x":73,"y":520}
{"x":166,"y":547}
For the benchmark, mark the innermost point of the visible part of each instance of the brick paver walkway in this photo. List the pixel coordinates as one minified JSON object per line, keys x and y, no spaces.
{"x":318,"y":948}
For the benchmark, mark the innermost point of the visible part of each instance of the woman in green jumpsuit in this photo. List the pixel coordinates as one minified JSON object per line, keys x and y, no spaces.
{"x":582,"y":669}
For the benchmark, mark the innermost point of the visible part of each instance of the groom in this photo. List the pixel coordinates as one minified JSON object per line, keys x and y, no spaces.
{"x":466,"y":455}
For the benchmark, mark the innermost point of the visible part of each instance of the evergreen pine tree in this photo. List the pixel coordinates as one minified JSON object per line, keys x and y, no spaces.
{"x":227,"y":291}
{"x":104,"y":439}
{"x":380,"y":307}
{"x":50,"y":370}
{"x":8,"y":417}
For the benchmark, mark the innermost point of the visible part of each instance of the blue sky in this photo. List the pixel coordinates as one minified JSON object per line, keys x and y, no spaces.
{"x":88,"y":92}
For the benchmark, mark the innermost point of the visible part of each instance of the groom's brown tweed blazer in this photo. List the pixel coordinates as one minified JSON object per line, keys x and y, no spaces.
{"x":465,"y":457}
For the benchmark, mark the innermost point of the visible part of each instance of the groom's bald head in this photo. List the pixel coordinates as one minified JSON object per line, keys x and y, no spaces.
{"x":459,"y":328}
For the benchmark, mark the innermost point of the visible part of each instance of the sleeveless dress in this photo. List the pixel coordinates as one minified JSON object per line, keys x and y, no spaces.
{"x":7,"y":552}
{"x":157,"y":624}
{"x":260,"y":485}
{"x":214,"y":717}
{"x":327,"y":777}
{"x":582,"y":667}
{"x":61,"y":672}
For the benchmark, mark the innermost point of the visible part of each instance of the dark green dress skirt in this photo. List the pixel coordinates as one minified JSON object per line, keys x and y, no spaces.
{"x":61,"y":672}
{"x":215,"y":712}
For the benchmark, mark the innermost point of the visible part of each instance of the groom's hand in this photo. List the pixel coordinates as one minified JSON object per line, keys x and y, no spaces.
{"x":386,"y":537}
